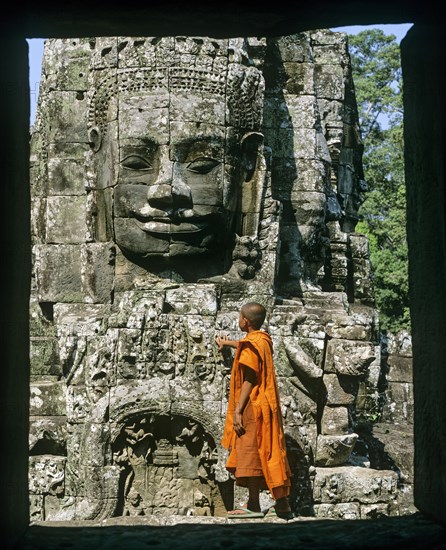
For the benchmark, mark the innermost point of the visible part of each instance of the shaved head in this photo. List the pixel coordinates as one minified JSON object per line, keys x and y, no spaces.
{"x":255,"y":313}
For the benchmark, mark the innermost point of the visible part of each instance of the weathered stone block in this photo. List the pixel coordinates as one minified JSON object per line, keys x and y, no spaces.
{"x":332,"y":116}
{"x":310,"y":209}
{"x":66,"y":176}
{"x":58,"y":508}
{"x":400,"y":369}
{"x":359,"y":246}
{"x":302,"y":110}
{"x":105,"y":52}
{"x":334,"y":450}
{"x":391,"y":447}
{"x":91,"y":507}
{"x":301,"y":409}
{"x":48,"y":398}
{"x":66,"y":220}
{"x":73,"y":75}
{"x":96,"y":438}
{"x":210,"y":109}
{"x":68,"y":111}
{"x":150,"y":395}
{"x":46,"y":474}
{"x":38,"y":220}
{"x":354,"y":484}
{"x":276,"y":113}
{"x":362,"y":282}
{"x":74,"y":478}
{"x":291,"y":176}
{"x":98,"y":270}
{"x":345,"y":327}
{"x":399,"y":406}
{"x":341,"y":390}
{"x":399,"y":344}
{"x":44,"y":359}
{"x":295,"y":47}
{"x":336,"y":40}
{"x":329,"y":81}
{"x":375,"y":370}
{"x":329,"y":54}
{"x":192,"y":300}
{"x":48,"y":435}
{"x":62,"y":49}
{"x":349,"y":357}
{"x":304,"y":143}
{"x":301,"y":362}
{"x":345,"y":510}
{"x":129,"y":276}
{"x":312,"y":340}
{"x":335,"y":233}
{"x":298,"y":78}
{"x":405,"y":503}
{"x":58,"y":273}
{"x":36,"y":507}
{"x":138,"y":309}
{"x":334,"y":420}
{"x":78,"y":405}
{"x":101,"y":481}
{"x":98,"y":212}
{"x":80,"y":319}
{"x":127,"y":351}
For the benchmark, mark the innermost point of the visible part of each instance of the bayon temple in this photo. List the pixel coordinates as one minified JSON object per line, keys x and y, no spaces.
{"x":172,"y":180}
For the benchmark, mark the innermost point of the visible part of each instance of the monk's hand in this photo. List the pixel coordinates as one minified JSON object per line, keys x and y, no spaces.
{"x":238,"y":424}
{"x":221,"y":341}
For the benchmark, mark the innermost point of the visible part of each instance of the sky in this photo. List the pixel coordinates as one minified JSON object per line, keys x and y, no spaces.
{"x":36,"y":53}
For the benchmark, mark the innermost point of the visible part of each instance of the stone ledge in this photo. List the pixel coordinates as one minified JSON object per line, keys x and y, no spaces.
{"x":414,"y":531}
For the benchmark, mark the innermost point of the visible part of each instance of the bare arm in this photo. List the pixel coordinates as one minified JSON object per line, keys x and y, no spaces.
{"x":222,"y":341}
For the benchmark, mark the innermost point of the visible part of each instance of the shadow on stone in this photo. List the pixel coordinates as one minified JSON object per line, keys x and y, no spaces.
{"x":415,"y":532}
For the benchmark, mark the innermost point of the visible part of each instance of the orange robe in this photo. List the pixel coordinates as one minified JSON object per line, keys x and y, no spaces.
{"x":255,"y":351}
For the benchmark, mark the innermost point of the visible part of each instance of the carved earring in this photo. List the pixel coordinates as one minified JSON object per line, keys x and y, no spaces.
{"x":250,"y":144}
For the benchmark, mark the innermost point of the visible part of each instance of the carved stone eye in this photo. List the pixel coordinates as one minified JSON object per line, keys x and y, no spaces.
{"x":202,"y":165}
{"x":135,"y":162}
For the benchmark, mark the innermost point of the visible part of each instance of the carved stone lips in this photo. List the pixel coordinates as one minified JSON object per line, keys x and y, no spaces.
{"x":168,"y":227}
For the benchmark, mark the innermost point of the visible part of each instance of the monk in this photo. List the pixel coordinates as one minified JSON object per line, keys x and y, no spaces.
{"x":253,"y":430}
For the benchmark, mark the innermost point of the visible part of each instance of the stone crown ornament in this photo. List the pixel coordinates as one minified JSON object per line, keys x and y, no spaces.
{"x":211,"y":67}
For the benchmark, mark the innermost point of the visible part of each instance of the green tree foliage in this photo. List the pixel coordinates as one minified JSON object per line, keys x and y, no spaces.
{"x":377,"y":78}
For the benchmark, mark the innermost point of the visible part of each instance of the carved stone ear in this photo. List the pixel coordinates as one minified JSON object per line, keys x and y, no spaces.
{"x":95,"y":138}
{"x":250,"y":144}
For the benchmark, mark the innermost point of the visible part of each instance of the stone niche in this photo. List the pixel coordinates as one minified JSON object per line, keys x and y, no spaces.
{"x":174,"y":179}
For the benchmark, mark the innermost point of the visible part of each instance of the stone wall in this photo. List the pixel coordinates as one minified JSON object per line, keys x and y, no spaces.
{"x":128,"y":390}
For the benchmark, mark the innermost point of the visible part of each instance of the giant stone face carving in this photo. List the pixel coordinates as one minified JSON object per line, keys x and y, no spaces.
{"x":179,"y":156}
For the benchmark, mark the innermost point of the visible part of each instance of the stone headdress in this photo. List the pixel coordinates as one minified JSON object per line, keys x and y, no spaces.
{"x":205,"y":66}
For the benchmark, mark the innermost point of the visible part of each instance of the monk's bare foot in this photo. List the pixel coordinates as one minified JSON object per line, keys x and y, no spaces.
{"x":238,"y":512}
{"x":245,"y":512}
{"x":243,"y":508}
{"x":282,"y":505}
{"x":253,"y":505}
{"x":282,"y":509}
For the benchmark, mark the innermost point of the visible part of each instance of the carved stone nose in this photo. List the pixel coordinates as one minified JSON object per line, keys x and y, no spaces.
{"x":173,"y":196}
{"x":160,"y":195}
